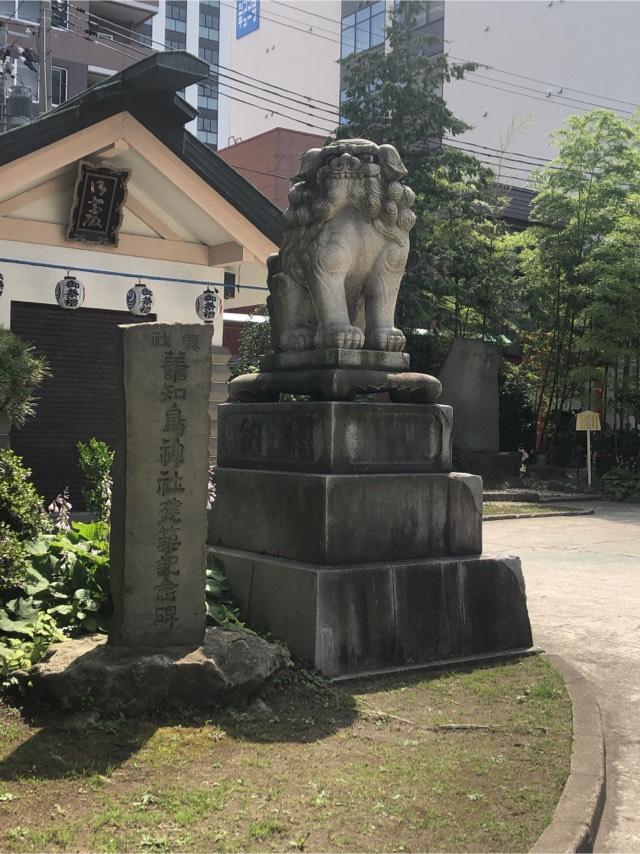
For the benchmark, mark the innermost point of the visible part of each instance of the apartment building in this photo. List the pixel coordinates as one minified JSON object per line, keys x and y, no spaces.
{"x":88,"y":40}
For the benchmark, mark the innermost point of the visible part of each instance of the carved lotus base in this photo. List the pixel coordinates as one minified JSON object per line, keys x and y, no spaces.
{"x":335,"y":384}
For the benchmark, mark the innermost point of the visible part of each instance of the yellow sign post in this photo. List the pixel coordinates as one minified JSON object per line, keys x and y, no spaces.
{"x":588,"y":421}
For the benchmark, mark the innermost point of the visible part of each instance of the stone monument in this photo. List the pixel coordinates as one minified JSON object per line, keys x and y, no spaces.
{"x":159,"y":650}
{"x":469,"y":380}
{"x":339,"y":523}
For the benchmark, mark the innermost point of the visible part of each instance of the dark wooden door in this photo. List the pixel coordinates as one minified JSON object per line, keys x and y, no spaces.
{"x":77,"y":401}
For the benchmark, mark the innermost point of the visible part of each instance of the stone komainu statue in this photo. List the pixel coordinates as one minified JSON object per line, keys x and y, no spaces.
{"x":335,"y":280}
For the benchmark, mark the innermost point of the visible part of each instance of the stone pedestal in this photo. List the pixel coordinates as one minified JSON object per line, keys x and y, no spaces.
{"x":343,"y":531}
{"x":335,"y":374}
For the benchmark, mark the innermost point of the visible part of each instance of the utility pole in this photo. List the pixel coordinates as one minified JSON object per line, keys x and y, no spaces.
{"x":45,"y":52}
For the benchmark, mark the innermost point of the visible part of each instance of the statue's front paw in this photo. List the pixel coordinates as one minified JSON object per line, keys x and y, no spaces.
{"x":343,"y":337}
{"x":386,"y":339}
{"x":299,"y":338}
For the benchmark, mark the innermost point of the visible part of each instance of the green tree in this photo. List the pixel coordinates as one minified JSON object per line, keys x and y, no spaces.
{"x":583,"y":197}
{"x":455,"y":276}
{"x":21,"y":372}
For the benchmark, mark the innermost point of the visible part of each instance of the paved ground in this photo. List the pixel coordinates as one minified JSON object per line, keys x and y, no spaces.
{"x":583,"y":586}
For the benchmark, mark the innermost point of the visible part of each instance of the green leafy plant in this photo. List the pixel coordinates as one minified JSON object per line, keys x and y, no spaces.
{"x":63,"y":590}
{"x":221,"y":609}
{"x":622,"y":485}
{"x":69,"y":577}
{"x":25,"y":636}
{"x":21,"y":372}
{"x":21,"y":516}
{"x":96,"y":460}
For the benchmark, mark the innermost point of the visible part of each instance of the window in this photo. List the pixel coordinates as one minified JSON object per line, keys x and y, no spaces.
{"x":209,"y":125}
{"x":209,"y":55}
{"x":209,"y":33}
{"x":174,"y":44}
{"x":363,"y":29}
{"x":209,"y":24}
{"x":229,"y":285}
{"x":208,"y":138}
{"x":206,"y":102}
{"x":436,"y":10}
{"x":176,"y":26}
{"x":343,"y":98}
{"x":60,"y":14}
{"x":59,"y":78}
{"x":176,"y":17}
{"x":28,"y":10}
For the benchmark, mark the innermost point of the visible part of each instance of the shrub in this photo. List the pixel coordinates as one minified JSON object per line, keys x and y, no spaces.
{"x":254,"y":341}
{"x":517,"y":414}
{"x":96,"y":460}
{"x":21,"y":372}
{"x":20,"y":505}
{"x":622,"y":485}
{"x":13,"y":559}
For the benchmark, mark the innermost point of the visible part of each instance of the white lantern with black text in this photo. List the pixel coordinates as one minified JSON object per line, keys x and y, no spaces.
{"x":208,"y":305}
{"x":70,"y":292}
{"x":140,"y":299}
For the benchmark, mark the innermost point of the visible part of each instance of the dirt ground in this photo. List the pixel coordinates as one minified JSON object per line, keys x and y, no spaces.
{"x":472,"y":761}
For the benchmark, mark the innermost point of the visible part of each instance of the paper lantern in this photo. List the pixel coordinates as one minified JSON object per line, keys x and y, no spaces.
{"x":1,"y":284}
{"x":207,"y":305}
{"x":70,"y":292}
{"x":140,"y":299}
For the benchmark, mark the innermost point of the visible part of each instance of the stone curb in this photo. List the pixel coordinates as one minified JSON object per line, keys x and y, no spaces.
{"x":492,"y":517}
{"x":577,"y":816}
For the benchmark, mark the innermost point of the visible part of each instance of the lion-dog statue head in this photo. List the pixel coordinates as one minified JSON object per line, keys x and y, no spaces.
{"x":335,"y":282}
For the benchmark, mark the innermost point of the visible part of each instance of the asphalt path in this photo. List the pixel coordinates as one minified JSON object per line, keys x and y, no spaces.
{"x":582,"y":575}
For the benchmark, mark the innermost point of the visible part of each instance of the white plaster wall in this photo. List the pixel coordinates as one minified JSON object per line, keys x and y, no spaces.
{"x":591,"y":45}
{"x":173,"y":303}
{"x":286,"y":54}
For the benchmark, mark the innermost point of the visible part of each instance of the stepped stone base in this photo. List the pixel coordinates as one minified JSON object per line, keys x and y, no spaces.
{"x":347,"y":518}
{"x":336,"y":438}
{"x":354,"y":618}
{"x":230,"y":665}
{"x":335,"y":384}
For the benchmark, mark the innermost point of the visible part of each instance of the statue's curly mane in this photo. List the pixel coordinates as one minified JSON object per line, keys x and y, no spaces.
{"x":382,"y":201}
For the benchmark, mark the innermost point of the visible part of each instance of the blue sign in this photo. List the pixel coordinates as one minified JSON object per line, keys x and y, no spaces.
{"x":247,"y":17}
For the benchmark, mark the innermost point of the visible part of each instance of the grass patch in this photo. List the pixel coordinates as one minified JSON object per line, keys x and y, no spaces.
{"x":467,"y":761}
{"x":531,"y":508}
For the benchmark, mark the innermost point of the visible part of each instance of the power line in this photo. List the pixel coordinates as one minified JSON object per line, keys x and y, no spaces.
{"x":546,"y":95}
{"x":307,"y":12}
{"x":268,"y":102}
{"x":149,"y":42}
{"x":546,"y":82}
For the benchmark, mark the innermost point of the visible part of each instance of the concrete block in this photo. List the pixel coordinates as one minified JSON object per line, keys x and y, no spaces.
{"x":335,"y":438}
{"x":352,"y":619}
{"x":331,"y":519}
